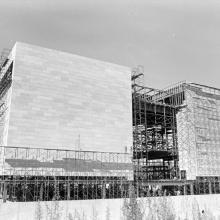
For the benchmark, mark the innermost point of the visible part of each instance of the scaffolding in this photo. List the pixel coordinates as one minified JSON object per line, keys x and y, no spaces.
{"x":30,"y":174}
{"x":6,"y":68}
{"x":176,"y":133}
{"x":199,"y":137}
{"x":155,"y":153}
{"x":176,"y":138}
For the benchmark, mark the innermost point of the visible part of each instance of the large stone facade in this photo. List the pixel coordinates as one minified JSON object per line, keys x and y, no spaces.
{"x":61,"y":100}
{"x":198,"y":130}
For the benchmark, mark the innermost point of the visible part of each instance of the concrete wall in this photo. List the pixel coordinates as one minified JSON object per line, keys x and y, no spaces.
{"x":60,"y":100}
{"x":177,"y":207}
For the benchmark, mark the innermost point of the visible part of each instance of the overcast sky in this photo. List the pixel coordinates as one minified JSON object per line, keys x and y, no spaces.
{"x":174,"y":40}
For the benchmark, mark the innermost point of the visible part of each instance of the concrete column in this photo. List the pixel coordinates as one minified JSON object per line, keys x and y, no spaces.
{"x":214,"y":187}
{"x":103,"y":191}
{"x":68,"y":190}
{"x":191,"y":189}
{"x":184,"y":190}
{"x":41,"y":192}
{"x":5,"y":192}
{"x":210,"y":188}
{"x":1,"y":189}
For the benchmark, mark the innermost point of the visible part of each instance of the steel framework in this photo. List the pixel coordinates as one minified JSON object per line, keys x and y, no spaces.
{"x":176,"y":138}
{"x":35,"y":173}
{"x":171,"y":133}
{"x":30,"y":174}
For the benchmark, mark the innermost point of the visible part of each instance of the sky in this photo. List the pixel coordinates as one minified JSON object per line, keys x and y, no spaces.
{"x":174,"y":40}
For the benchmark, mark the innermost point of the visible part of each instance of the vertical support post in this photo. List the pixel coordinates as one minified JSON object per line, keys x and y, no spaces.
{"x":210,"y":187}
{"x":103,"y":190}
{"x":41,"y":196}
{"x":137,"y":190}
{"x":5,"y":191}
{"x":68,"y":189}
{"x":184,"y":189}
{"x":214,"y":185}
{"x":1,"y":189}
{"x":191,"y":189}
{"x":122,"y":190}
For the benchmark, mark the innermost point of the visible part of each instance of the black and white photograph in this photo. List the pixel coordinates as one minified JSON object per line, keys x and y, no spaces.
{"x":109,"y":110}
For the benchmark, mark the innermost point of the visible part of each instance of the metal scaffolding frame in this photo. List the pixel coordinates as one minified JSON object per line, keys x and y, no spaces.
{"x":169,"y":146}
{"x":176,"y":138}
{"x":30,"y":174}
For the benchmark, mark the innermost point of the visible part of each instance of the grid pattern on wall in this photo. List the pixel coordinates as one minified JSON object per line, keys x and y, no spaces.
{"x":206,"y":111}
{"x":52,"y":162}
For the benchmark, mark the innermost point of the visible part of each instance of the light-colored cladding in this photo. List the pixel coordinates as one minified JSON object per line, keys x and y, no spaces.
{"x":198,"y":130}
{"x":61,"y":100}
{"x":186,"y":138}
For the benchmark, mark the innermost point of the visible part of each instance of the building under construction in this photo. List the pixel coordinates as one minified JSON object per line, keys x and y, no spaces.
{"x":78,"y":128}
{"x":176,"y":133}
